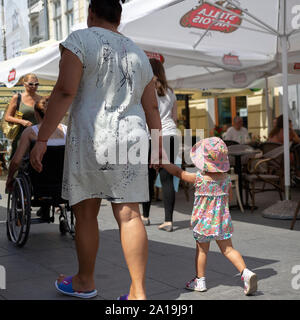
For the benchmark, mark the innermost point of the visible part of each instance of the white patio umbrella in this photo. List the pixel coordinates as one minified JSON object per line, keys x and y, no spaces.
{"x":205,"y":44}
{"x":247,"y":39}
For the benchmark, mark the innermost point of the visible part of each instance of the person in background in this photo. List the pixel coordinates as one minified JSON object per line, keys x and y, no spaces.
{"x":167,"y":105}
{"x":27,"y":101}
{"x":276,"y":136}
{"x":237,"y":132}
{"x":30,"y":134}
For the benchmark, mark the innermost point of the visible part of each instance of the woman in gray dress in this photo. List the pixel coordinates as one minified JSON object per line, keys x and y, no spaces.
{"x":109,"y":82}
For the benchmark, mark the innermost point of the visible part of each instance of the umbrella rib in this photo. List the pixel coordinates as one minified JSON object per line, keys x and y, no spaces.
{"x":229,"y":25}
{"x":268,"y":28}
{"x":254,"y":17}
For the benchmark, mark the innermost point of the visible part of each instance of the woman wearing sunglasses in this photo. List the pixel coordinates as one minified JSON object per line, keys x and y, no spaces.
{"x":27,"y":101}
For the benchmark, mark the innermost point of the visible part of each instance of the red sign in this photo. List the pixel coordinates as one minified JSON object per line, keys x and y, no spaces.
{"x":12,"y":75}
{"x":203,"y":17}
{"x":231,"y":60}
{"x":297,"y":66}
{"x":155,"y":55}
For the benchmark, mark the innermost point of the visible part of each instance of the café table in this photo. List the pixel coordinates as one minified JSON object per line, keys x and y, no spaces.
{"x":237,"y":151}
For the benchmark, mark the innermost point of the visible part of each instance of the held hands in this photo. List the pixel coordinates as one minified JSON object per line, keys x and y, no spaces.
{"x":36,"y":155}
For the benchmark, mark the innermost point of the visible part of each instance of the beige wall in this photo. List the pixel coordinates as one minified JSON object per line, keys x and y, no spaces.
{"x":257,"y":114}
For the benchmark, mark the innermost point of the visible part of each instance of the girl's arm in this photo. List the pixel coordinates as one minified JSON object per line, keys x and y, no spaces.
{"x":181,"y":174}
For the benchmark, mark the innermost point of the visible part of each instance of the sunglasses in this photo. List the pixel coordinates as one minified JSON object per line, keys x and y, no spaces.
{"x":31,"y":84}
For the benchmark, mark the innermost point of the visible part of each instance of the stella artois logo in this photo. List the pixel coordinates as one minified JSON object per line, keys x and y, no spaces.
{"x":231,"y":60}
{"x":12,"y":75}
{"x":155,"y":55}
{"x":204,"y":16}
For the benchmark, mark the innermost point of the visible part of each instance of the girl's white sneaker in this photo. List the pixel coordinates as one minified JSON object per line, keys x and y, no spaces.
{"x":250,"y":282}
{"x":196,"y":284}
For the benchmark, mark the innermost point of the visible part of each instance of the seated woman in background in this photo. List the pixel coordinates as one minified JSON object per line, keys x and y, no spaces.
{"x":276,"y":135}
{"x":29,"y":135}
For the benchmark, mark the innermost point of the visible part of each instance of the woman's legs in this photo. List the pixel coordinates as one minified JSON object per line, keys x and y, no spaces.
{"x":231,"y":254}
{"x":87,"y":242}
{"x":201,"y":258}
{"x":171,"y":146}
{"x":151,"y":180}
{"x":135,"y":246}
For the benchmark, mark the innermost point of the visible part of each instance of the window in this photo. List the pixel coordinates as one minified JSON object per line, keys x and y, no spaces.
{"x":69,"y":14}
{"x":57,"y":20}
{"x":228,"y":108}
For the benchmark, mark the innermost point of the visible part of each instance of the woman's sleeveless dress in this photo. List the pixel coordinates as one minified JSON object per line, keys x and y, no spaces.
{"x":107,"y":120}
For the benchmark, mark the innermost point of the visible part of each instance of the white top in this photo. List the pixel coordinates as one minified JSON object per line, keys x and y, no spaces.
{"x":53,"y":142}
{"x":107,"y":116}
{"x":241,"y":136}
{"x":165,"y":105}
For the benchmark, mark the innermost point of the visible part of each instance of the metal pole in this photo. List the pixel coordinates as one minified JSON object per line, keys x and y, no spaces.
{"x":3,"y":30}
{"x":268,"y":105}
{"x":46,"y":19}
{"x":285,"y":108}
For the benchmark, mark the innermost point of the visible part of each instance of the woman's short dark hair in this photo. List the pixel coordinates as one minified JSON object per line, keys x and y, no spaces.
{"x":109,"y":10}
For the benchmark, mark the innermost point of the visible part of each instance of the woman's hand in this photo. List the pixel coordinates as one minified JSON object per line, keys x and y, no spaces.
{"x":26,"y":123}
{"x":36,"y":155}
{"x":9,"y":185}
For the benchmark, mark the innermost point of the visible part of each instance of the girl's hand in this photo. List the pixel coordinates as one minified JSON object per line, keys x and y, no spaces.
{"x":36,"y":155}
{"x":26,"y":123}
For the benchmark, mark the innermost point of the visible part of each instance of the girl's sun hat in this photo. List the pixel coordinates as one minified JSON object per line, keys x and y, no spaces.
{"x":210,"y":155}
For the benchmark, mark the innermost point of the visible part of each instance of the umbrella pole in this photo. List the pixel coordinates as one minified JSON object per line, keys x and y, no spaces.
{"x":285,"y":100}
{"x":268,"y":105}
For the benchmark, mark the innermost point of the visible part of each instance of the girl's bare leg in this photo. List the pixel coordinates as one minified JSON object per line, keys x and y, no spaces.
{"x":231,"y":254}
{"x":135,"y":246}
{"x":201,"y":258}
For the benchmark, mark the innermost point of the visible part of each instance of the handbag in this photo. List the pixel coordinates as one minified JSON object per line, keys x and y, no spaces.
{"x":11,"y":129}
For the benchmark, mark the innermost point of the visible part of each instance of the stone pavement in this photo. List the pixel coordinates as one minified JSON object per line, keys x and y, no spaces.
{"x":268,"y":246}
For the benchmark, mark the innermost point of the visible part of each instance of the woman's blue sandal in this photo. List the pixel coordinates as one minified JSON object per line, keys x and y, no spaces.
{"x":124,"y":297}
{"x":65,"y":287}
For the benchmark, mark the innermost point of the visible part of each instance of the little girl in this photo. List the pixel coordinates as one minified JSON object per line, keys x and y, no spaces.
{"x":211,"y":218}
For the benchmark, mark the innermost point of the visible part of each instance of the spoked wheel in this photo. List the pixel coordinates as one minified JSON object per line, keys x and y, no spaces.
{"x":19,"y":212}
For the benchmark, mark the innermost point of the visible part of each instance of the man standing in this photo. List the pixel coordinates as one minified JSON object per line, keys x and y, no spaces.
{"x":237,"y":132}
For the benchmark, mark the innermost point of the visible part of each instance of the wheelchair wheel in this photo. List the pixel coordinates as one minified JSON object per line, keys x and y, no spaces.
{"x":19,"y":212}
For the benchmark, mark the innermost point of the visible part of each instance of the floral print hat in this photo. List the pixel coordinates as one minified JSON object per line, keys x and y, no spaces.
{"x":210,"y":155}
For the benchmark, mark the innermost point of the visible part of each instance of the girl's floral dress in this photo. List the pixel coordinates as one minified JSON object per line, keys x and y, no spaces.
{"x":211,"y":217}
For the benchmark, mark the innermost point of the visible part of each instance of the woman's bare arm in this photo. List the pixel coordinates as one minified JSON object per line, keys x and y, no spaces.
{"x":11,"y":111}
{"x":150,"y":106}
